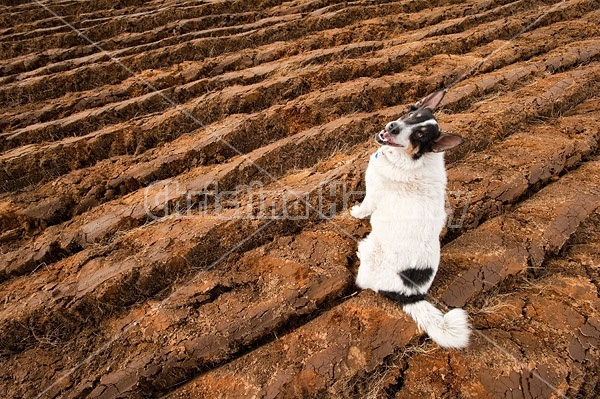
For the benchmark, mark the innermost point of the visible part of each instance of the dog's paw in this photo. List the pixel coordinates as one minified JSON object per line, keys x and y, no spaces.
{"x":358,"y":212}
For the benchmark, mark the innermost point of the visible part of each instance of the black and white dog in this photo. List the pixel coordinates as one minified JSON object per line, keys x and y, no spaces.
{"x":406,"y":186}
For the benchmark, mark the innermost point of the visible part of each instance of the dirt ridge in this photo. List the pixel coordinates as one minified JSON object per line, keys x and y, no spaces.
{"x":174,"y":219}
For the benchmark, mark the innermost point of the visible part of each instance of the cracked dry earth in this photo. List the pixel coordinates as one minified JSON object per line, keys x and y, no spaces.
{"x":126,"y":273}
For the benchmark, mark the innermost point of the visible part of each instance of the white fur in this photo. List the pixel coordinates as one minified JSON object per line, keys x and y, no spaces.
{"x":449,"y":331}
{"x":405,"y":200}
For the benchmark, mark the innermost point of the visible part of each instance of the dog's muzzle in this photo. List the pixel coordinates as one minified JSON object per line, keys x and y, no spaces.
{"x":384,"y":138}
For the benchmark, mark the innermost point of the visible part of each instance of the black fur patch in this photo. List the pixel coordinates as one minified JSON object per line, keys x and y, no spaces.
{"x":421,"y":137}
{"x":415,"y":116}
{"x":414,"y":278}
{"x":401,"y":298}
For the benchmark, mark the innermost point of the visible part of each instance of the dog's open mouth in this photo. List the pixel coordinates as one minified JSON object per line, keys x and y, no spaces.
{"x":384,"y":138}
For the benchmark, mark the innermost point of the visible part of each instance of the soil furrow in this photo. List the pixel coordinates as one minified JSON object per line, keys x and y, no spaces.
{"x":87,"y":76}
{"x":155,"y":27}
{"x":573,"y":151}
{"x":182,"y":86}
{"x":358,"y":73}
{"x":143,"y":205}
{"x":173,"y":162}
{"x":141,"y":255}
{"x":164,"y":53}
{"x":273,"y":157}
{"x":484,"y":183}
{"x":327,"y":362}
{"x":295,"y":289}
{"x":179,"y":24}
{"x":23,"y":18}
{"x":148,"y":260}
{"x":317,"y":359}
{"x":24,"y":37}
{"x":544,"y":324}
{"x":152,"y":103}
{"x":568,"y":152}
{"x":147,"y":16}
{"x":561,"y":92}
{"x":22,"y":12}
{"x":18,"y":175}
{"x":76,"y":81}
{"x":140,"y":27}
{"x":338,"y":36}
{"x":77,"y":47}
{"x":516,"y":242}
{"x":214,"y":93}
{"x":282,"y":290}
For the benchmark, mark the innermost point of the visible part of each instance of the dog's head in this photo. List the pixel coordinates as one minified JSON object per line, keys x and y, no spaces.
{"x":417,"y":132}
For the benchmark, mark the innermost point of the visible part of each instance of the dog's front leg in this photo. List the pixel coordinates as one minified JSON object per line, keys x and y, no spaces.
{"x":361,"y":211}
{"x":365,"y":209}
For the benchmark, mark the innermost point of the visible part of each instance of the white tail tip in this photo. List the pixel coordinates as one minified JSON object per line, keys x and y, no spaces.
{"x":450,"y":330}
{"x":455,"y":330}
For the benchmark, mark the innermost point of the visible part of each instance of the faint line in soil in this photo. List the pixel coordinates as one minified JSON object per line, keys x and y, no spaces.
{"x":524,"y":30}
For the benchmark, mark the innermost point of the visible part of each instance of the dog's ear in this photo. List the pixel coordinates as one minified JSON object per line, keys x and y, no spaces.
{"x":431,"y":101}
{"x":447,"y":141}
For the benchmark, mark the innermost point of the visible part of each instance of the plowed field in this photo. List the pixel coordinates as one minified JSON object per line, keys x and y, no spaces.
{"x":175,"y":179}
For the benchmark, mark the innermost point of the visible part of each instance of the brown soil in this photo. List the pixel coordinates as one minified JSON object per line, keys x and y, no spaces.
{"x":124,"y":272}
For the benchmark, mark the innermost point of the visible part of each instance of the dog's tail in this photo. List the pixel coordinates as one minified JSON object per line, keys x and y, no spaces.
{"x":450,"y":330}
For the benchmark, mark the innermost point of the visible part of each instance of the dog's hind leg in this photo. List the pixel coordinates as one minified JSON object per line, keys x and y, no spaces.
{"x":369,"y":253}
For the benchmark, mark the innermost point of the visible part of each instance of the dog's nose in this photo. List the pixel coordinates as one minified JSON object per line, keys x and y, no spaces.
{"x":393,"y":127}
